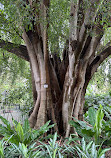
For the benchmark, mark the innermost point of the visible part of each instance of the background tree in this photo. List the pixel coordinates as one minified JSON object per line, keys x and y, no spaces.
{"x":15,"y":80}
{"x":63,"y":51}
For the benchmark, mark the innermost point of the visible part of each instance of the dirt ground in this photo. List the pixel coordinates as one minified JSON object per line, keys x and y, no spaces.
{"x":108,"y":154}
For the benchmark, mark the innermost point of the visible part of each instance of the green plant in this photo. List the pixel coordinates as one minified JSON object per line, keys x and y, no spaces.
{"x":24,"y":151}
{"x":21,"y":133}
{"x":1,"y":149}
{"x":53,"y":149}
{"x":72,"y":139}
{"x":96,"y":100}
{"x":93,"y":127}
{"x":100,"y":120}
{"x":98,"y":123}
{"x":90,"y":150}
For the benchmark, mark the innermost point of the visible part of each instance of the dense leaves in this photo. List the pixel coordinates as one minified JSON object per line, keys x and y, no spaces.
{"x":21,"y":134}
{"x":95,"y":125}
{"x":20,"y":141}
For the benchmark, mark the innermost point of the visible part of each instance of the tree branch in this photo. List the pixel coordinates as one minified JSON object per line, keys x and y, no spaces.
{"x":20,"y":51}
{"x":90,"y":45}
{"x":99,"y":59}
{"x":95,"y":64}
{"x":89,"y":18}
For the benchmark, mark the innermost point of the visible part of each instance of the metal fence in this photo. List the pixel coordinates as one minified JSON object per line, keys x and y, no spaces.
{"x":12,"y":111}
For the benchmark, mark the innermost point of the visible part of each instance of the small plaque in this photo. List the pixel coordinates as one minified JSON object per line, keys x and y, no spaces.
{"x":45,"y":85}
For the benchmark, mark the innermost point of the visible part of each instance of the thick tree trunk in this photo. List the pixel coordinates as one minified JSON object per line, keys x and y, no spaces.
{"x":59,"y":85}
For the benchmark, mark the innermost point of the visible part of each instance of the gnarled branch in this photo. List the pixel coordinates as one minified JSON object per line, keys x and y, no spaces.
{"x":99,"y":59}
{"x":20,"y":51}
{"x":95,"y":64}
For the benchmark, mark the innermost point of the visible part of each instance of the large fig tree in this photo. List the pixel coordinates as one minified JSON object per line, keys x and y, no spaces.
{"x":62,"y":40}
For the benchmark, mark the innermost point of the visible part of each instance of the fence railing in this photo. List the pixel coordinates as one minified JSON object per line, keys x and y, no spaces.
{"x":14,"y":112}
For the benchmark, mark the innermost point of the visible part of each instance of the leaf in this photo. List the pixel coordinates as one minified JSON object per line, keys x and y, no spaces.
{"x":89,"y":133}
{"x":81,"y":152}
{"x":14,"y":122}
{"x":103,"y":152}
{"x":54,"y":139}
{"x":80,"y":124}
{"x":6,"y":123}
{"x":83,"y":129}
{"x":15,"y":147}
{"x":83,"y":144}
{"x":98,"y":124}
{"x":92,"y":116}
{"x":1,"y":150}
{"x":36,"y":154}
{"x":89,"y":145}
{"x":26,"y":126}
{"x":47,"y":147}
{"x":27,"y":132}
{"x":19,"y":131}
{"x":54,"y":153}
{"x":93,"y":150}
{"x":23,"y":149}
{"x":3,"y":130}
{"x":37,"y":133}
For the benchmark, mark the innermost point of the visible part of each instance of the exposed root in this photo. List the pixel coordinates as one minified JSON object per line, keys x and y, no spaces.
{"x":32,"y":120}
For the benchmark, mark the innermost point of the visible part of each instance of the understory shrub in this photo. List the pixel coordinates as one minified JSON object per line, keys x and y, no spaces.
{"x":20,"y":141}
{"x":96,"y":100}
{"x":95,"y":127}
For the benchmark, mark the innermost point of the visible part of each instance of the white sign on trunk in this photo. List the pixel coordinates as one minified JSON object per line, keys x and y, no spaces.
{"x":45,"y":85}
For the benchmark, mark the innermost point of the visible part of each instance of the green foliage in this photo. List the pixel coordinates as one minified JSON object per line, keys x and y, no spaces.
{"x":23,"y":150}
{"x":59,"y":27}
{"x":53,"y":149}
{"x":72,"y":139}
{"x":90,"y":150}
{"x":1,"y":149}
{"x":100,"y":84}
{"x":107,"y":36}
{"x":15,"y":78}
{"x":98,"y":123}
{"x":21,"y":134}
{"x":83,"y":129}
{"x":105,"y":101}
{"x":92,"y":116}
{"x":94,"y":127}
{"x":12,"y":67}
{"x":22,"y":141}
{"x":14,"y":17}
{"x":96,"y":100}
{"x":19,"y":95}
